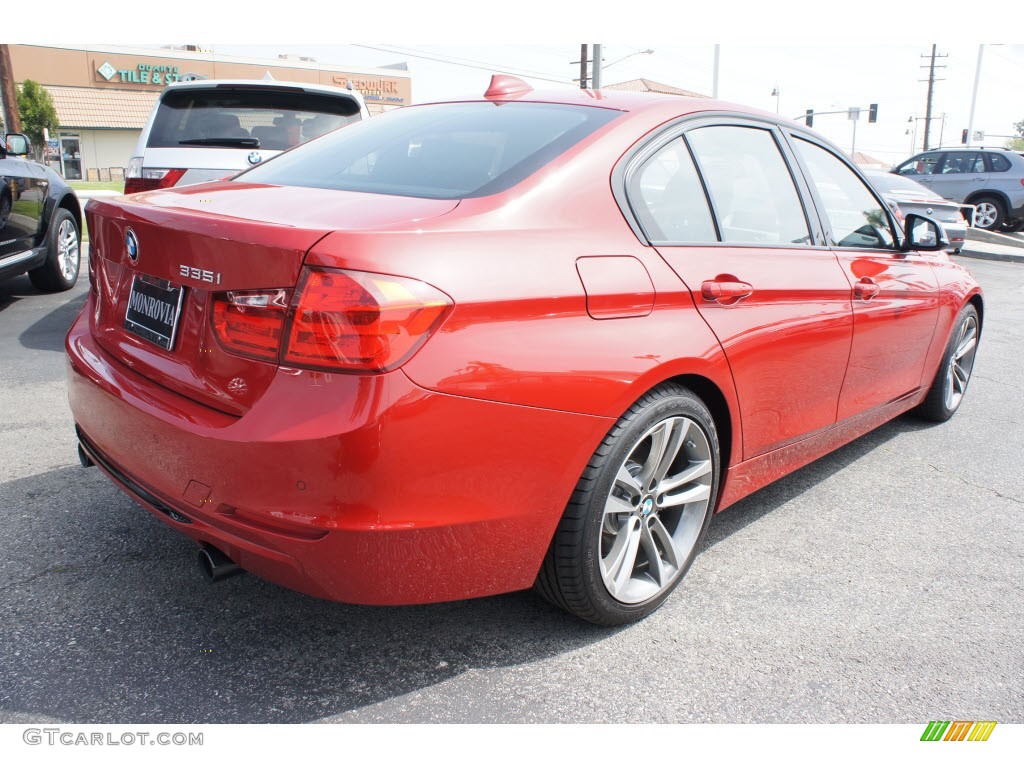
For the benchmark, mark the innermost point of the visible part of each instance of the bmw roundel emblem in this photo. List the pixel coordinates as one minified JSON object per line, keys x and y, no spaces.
{"x":131,"y":242}
{"x":254,"y":158}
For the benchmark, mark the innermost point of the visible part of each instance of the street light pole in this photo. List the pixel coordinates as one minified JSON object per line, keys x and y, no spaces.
{"x":777,"y":94}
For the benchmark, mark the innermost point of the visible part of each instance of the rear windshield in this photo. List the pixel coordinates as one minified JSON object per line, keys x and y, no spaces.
{"x":440,"y":151}
{"x":253,"y":118}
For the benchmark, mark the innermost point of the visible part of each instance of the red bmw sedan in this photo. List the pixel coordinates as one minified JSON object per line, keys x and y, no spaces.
{"x":524,"y":340}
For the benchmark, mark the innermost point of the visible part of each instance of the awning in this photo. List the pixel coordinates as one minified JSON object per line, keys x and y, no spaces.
{"x":101,"y":107}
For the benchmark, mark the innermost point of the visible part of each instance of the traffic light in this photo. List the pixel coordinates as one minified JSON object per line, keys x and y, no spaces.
{"x":809,"y":118}
{"x":963,"y":137}
{"x":872,"y":113}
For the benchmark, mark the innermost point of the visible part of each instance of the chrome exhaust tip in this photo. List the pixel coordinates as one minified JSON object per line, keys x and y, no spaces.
{"x":216,"y":566}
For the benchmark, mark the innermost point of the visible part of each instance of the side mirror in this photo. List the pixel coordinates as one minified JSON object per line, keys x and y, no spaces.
{"x":923,"y":234}
{"x":17,"y":144}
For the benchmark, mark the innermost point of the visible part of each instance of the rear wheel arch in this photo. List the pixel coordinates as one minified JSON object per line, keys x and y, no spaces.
{"x":716,"y":403}
{"x":1000,"y":196}
{"x":70,"y":203}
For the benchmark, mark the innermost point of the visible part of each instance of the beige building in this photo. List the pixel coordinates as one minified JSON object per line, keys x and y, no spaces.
{"x":104,"y":94}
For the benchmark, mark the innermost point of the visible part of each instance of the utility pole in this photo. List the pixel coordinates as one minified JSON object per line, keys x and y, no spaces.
{"x":584,"y":60}
{"x":931,"y":88}
{"x":8,"y":93}
{"x":974,"y":96}
{"x":595,"y":70}
{"x":714,"y":85}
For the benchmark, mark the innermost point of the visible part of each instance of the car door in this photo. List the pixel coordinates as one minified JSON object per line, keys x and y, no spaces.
{"x":921,"y":167}
{"x":719,"y":202}
{"x":895,"y":294}
{"x":20,"y":205}
{"x":959,"y":174}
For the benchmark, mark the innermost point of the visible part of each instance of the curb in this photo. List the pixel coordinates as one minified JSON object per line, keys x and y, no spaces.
{"x":1012,"y":258}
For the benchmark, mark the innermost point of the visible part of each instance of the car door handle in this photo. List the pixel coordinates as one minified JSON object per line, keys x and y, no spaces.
{"x":865,"y":289}
{"x":716,"y":290}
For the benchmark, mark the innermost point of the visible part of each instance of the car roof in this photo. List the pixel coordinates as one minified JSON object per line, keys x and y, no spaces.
{"x":623,"y":101}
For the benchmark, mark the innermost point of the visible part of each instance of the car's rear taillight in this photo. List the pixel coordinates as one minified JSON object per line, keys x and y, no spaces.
{"x":360,"y":321}
{"x":251,"y":323}
{"x":339,"y":320}
{"x":139,"y":179}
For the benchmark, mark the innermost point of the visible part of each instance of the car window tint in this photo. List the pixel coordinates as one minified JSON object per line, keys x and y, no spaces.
{"x":962,"y":162}
{"x":669,"y":200}
{"x":277,"y":119}
{"x":440,"y":151}
{"x":856,"y":217}
{"x":750,"y":185}
{"x":999,"y":163}
{"x":919,"y":166}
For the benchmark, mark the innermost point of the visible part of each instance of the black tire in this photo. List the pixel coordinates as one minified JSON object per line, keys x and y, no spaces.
{"x":948,"y":388}
{"x":51,"y":276}
{"x":998,"y":211}
{"x":1011,"y":227}
{"x":571,"y":576}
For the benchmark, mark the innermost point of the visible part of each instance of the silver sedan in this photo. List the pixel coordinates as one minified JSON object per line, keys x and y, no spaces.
{"x":907,"y":196}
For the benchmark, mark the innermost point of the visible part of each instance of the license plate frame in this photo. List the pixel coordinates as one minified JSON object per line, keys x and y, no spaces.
{"x":154,"y":310}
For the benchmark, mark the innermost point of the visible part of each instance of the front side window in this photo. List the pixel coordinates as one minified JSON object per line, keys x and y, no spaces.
{"x":440,"y":151}
{"x":922,"y":165}
{"x":753,"y":193}
{"x":669,"y":200}
{"x":856,"y":217}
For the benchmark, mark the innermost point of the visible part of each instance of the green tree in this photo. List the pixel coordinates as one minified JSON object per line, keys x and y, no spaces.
{"x":1017,"y":144}
{"x":37,"y":112}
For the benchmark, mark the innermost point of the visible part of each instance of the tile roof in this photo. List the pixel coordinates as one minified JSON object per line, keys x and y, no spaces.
{"x":101,"y":108}
{"x":643,"y":85}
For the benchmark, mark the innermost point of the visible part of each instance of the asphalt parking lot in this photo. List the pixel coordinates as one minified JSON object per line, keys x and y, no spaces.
{"x":883,"y":583}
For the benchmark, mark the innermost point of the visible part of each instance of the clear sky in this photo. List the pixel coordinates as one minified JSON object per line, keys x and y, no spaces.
{"x":821,"y":77}
{"x":822,"y":54}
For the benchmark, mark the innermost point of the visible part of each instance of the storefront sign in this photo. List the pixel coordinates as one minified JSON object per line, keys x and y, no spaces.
{"x":372,"y":88}
{"x":142,"y":74}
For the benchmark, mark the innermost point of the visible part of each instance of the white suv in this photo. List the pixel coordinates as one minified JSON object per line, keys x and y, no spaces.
{"x":208,"y":129}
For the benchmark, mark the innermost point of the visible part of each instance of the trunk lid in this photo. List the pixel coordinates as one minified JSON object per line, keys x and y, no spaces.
{"x":207,"y":239}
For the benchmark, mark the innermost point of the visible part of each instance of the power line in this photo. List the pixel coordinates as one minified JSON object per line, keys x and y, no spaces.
{"x":478,"y":65}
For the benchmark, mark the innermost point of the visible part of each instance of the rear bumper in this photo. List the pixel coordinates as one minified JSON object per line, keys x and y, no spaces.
{"x":363,"y":489}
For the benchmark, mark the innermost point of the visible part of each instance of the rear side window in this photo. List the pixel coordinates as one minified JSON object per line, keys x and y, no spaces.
{"x":752,"y":191}
{"x":962,"y":162}
{"x":999,"y":163}
{"x":669,"y":200}
{"x":441,"y":151}
{"x":252,"y":117}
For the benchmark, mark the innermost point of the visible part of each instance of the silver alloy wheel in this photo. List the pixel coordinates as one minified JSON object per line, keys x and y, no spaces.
{"x":985,"y":215}
{"x":67,"y":249}
{"x":655,"y":510}
{"x":961,"y":362}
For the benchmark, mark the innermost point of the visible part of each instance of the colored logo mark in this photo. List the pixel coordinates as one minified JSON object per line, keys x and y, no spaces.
{"x":958,"y":730}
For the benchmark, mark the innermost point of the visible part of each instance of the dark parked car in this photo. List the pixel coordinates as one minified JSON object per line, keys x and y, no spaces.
{"x":40,"y":220}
